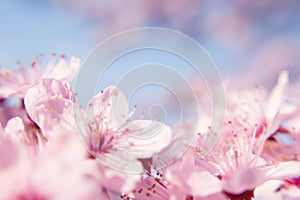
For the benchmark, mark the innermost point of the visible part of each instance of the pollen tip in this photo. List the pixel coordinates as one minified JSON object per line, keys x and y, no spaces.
{"x":33,"y":64}
{"x":6,"y":73}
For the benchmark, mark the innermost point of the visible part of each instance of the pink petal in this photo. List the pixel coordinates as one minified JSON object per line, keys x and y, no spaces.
{"x":9,"y":83}
{"x":284,"y":170}
{"x":63,"y":70}
{"x":276,"y":96}
{"x":121,"y":161}
{"x":8,"y":153}
{"x":116,"y":180}
{"x":202,"y":183}
{"x":243,"y":179}
{"x":14,"y":126}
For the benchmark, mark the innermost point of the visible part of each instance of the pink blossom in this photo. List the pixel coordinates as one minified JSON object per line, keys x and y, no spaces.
{"x":196,"y":181}
{"x":60,"y":171}
{"x":16,"y":84}
{"x":249,"y":107}
{"x":230,"y":168}
{"x":115,"y":140}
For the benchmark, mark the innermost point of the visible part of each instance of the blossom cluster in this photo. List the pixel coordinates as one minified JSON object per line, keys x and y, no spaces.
{"x":53,"y":148}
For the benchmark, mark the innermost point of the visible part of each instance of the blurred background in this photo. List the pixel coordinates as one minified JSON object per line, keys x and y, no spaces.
{"x":242,"y":37}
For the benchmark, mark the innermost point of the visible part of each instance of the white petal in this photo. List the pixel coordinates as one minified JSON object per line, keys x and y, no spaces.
{"x":30,"y":99}
{"x":283,"y":170}
{"x":276,"y":96}
{"x":121,"y":161}
{"x":80,"y":122}
{"x":145,"y":137}
{"x":204,"y":184}
{"x":109,"y":105}
{"x":63,"y":70}
{"x":14,"y":126}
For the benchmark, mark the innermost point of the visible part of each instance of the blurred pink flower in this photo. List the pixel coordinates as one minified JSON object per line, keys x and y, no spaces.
{"x":16,"y":84}
{"x":60,"y":171}
{"x":8,"y":152}
{"x":256,"y":108}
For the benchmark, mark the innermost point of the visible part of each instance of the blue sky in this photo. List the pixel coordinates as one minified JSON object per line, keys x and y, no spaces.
{"x":31,"y":27}
{"x":28,"y":29}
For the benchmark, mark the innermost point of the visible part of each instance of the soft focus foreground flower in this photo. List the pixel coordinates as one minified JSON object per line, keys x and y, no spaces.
{"x":60,"y":171}
{"x":8,"y":152}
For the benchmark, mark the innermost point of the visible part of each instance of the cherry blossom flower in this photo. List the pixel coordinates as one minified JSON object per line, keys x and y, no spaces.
{"x":231,"y":168}
{"x":115,"y":140}
{"x":249,"y":107}
{"x":16,"y":84}
{"x":232,"y":173}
